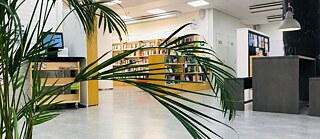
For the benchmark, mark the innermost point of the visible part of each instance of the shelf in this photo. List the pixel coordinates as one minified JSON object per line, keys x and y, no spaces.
{"x":129,"y":49}
{"x":59,"y":66}
{"x":57,"y":81}
{"x":116,"y":65}
{"x":190,"y":73}
{"x":173,"y":63}
{"x":191,"y":64}
{"x":173,"y":84}
{"x":174,"y":73}
{"x":65,"y":98}
{"x":58,"y":69}
{"x":116,"y":50}
{"x":128,"y":57}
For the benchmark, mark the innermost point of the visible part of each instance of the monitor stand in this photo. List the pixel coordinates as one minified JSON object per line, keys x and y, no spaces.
{"x":53,"y":52}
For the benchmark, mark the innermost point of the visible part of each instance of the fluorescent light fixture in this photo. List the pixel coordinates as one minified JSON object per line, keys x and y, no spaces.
{"x":156,"y":11}
{"x":125,"y":17}
{"x":198,"y":3}
{"x":113,"y":2}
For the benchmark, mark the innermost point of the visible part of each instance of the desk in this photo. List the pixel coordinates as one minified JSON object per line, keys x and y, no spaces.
{"x":237,"y":87}
{"x":279,"y":83}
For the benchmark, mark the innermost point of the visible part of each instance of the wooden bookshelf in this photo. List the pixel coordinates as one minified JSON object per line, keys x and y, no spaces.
{"x":58,"y":74}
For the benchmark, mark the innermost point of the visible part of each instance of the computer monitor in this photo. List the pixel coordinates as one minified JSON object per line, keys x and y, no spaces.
{"x":55,"y":39}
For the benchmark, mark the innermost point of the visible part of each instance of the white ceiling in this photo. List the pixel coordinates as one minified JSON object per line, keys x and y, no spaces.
{"x":236,"y":8}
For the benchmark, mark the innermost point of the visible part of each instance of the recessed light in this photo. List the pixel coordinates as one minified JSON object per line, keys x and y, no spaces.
{"x":113,"y":2}
{"x":156,"y":11}
{"x":125,"y":17}
{"x":198,"y":3}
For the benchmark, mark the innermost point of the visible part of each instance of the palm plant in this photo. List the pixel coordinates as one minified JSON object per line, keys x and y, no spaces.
{"x":18,"y":111}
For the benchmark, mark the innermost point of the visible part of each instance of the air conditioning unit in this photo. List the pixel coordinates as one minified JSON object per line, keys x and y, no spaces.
{"x":266,"y":7}
{"x":275,"y":18}
{"x":153,"y":17}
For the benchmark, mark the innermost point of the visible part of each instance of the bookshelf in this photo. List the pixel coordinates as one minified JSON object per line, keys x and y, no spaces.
{"x":179,"y":67}
{"x":59,"y":74}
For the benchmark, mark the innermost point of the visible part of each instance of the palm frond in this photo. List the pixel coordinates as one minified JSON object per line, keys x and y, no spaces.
{"x":214,"y":71}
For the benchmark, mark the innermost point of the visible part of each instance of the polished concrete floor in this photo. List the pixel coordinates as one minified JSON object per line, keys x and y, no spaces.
{"x":129,"y":114}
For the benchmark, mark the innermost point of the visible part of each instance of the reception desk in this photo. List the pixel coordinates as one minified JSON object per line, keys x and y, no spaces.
{"x":280,"y":83}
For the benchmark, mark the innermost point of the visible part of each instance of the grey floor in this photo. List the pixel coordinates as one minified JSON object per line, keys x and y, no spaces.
{"x":126,"y":113}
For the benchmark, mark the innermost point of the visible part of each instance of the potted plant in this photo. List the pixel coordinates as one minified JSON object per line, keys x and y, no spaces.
{"x":18,"y":111}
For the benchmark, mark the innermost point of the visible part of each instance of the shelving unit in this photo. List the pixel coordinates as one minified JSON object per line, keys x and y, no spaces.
{"x":59,"y":74}
{"x":180,"y":67}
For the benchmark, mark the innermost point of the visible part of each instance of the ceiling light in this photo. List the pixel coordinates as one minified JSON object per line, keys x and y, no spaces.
{"x":156,"y":11}
{"x":125,"y":17}
{"x":289,"y":23}
{"x":113,"y":2}
{"x":198,"y":3}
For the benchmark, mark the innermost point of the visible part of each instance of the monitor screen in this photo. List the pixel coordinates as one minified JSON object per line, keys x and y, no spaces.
{"x":56,"y":40}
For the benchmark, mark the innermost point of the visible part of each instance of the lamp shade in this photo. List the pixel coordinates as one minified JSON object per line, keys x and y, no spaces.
{"x":289,"y":23}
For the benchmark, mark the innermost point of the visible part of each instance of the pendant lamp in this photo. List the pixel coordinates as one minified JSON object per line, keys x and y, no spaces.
{"x":289,"y":23}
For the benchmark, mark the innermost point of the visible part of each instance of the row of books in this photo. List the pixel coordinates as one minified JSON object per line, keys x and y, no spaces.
{"x":171,"y":69}
{"x":189,"y":69}
{"x":170,"y":59}
{"x":134,"y":54}
{"x":148,"y":52}
{"x":148,"y":44}
{"x":132,"y":77}
{"x":171,"y":79}
{"x":125,"y":46}
{"x":118,"y":62}
{"x":190,"y":78}
{"x":189,"y":60}
{"x":201,"y":78}
{"x":134,"y":69}
{"x":132,"y":61}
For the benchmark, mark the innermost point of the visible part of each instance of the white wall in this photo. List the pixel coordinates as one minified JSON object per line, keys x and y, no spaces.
{"x":26,"y":9}
{"x":25,"y":12}
{"x":104,"y":45}
{"x":276,"y":38}
{"x":224,"y":37}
